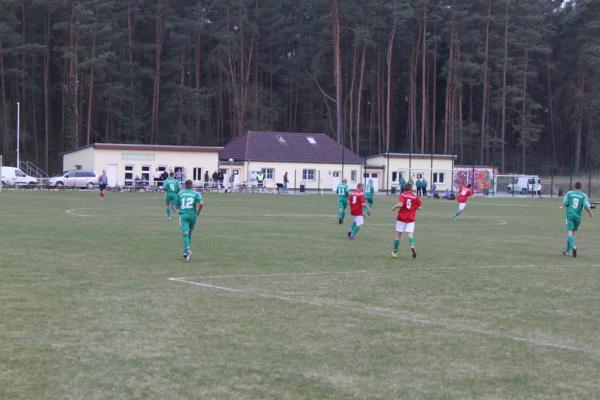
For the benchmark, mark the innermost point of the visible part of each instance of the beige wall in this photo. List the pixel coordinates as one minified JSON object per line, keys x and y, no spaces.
{"x":413,"y":167}
{"x":82,"y":158}
{"x":327,"y":179}
{"x":100,"y":159}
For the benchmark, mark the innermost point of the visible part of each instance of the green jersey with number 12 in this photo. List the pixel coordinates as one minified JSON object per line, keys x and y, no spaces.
{"x":188,"y":201}
{"x":574,"y":202}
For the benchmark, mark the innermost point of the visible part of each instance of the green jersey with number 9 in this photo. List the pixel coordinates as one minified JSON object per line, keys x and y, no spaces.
{"x":188,"y":201}
{"x":574,"y":202}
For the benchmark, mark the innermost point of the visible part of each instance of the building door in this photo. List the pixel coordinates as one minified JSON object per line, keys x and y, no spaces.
{"x":111,"y":174}
{"x":374,"y":176}
{"x":336,"y":179}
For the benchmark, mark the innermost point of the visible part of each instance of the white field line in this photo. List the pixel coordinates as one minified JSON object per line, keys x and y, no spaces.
{"x":406,"y":317}
{"x":75,"y":212}
{"x":389,"y":270}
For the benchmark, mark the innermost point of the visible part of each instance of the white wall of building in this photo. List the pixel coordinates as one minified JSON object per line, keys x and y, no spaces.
{"x":324,"y":176}
{"x":130,"y":164}
{"x":437,"y":170}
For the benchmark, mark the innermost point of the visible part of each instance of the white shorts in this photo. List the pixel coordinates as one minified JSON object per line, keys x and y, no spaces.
{"x":408,"y":227}
{"x":358,"y":220}
{"x":461,"y":206}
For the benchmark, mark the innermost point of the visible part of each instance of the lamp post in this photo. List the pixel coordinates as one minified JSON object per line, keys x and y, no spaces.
{"x":231,"y":177}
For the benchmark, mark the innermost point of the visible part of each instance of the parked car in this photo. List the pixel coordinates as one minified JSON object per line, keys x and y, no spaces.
{"x":12,"y":176}
{"x":523,"y":184}
{"x":74,"y":179}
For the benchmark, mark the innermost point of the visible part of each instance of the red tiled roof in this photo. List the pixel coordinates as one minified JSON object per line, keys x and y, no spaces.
{"x":288,"y":147}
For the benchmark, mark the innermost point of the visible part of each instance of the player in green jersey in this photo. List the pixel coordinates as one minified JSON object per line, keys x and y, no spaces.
{"x":189,"y":204}
{"x":171,"y":188}
{"x":369,"y":196}
{"x":342,"y":195}
{"x":575,"y":201}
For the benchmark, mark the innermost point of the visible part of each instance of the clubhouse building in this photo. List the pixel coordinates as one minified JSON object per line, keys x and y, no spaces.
{"x":313,"y":161}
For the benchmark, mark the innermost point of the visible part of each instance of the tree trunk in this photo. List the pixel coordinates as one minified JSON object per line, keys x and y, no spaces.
{"x":91,"y":93}
{"x":388,"y":108}
{"x":47,"y":90}
{"x":504,"y":90}
{"x":157,"y":63}
{"x":579,"y":124}
{"x":484,"y":101}
{"x":424,"y":112}
{"x":359,"y":100}
{"x":337,"y":74}
{"x":5,"y":133}
{"x":434,"y":91}
{"x":524,"y":115}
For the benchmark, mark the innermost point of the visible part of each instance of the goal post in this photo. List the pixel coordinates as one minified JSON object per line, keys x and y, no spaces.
{"x":1,"y":173}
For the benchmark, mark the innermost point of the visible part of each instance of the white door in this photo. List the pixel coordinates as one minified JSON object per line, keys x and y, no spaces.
{"x":336,"y":179}
{"x":374,"y":176}
{"x":111,"y":174}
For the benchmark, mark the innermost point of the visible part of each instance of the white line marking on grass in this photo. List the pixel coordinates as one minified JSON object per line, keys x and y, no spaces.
{"x":571,"y":268}
{"x":74,"y":212}
{"x":406,"y":317}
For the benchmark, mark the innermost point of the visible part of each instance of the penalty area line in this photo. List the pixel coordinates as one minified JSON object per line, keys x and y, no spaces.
{"x":384,"y":271}
{"x":403,"y":316}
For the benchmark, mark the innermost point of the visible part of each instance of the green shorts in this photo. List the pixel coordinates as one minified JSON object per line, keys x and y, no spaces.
{"x":187,"y":222}
{"x":171,"y":199}
{"x":572,"y":224}
{"x":342,"y":202}
{"x":369,"y":202}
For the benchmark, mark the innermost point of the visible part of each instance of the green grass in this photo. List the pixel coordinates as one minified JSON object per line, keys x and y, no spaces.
{"x":489,"y":309}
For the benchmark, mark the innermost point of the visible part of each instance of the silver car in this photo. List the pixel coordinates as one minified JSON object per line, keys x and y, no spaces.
{"x":74,"y":179}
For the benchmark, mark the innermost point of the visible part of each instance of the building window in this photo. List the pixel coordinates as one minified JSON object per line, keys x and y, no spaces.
{"x":146,"y":173}
{"x":78,"y":167}
{"x":394,"y":176}
{"x":438,"y":177}
{"x":308,"y":174}
{"x":353,"y":175}
{"x":197,"y":174}
{"x":128,"y":175}
{"x":269,"y":173}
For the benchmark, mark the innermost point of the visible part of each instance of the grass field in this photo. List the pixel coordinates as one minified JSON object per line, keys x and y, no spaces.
{"x":276,"y":303}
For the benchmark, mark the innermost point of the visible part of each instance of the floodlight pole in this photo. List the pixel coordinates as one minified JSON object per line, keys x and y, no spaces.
{"x":18,"y":133}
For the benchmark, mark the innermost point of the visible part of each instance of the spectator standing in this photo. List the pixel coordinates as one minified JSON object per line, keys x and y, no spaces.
{"x":285,"y":182}
{"x":402,"y":183}
{"x":419,"y":185}
{"x":206,"y":179}
{"x":215,"y":180}
{"x":164,"y":176}
{"x":179,"y":176}
{"x":221,"y":178}
{"x":538,"y":188}
{"x":157,"y":177}
{"x":260,"y":179}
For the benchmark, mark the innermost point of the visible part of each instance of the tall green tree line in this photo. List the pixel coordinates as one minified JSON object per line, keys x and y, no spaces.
{"x":511,"y":83}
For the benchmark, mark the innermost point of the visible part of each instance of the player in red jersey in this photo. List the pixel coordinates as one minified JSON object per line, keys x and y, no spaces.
{"x":407,"y":207}
{"x":357,"y":204}
{"x":463,"y":197}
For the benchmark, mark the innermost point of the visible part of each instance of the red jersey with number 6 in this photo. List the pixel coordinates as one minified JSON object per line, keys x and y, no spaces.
{"x":464,"y":195}
{"x":357,"y":201}
{"x":410,"y":204}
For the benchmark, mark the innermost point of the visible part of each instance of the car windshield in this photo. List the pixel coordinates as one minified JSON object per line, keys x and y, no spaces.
{"x":19,"y":173}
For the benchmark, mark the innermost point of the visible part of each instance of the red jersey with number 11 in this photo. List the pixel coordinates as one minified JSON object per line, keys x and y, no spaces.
{"x":357,"y":201}
{"x":410,"y":203}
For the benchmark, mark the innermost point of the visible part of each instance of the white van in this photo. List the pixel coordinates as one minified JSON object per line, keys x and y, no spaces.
{"x":12,"y":176}
{"x":523,"y":184}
